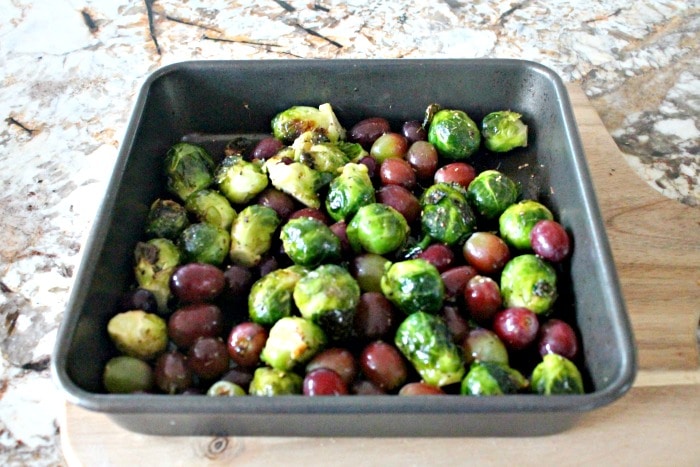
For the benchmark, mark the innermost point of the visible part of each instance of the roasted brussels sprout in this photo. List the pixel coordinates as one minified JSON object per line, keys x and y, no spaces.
{"x":270,"y":298}
{"x":225,"y":388}
{"x":426,"y":342}
{"x":447,"y":216}
{"x":154,"y":264}
{"x":454,"y":134}
{"x":503,"y":130}
{"x":529,"y":281}
{"x":492,"y":379}
{"x":240,"y":180}
{"x":211,"y":207}
{"x":414,"y":285}
{"x":204,"y":243}
{"x":188,"y":168}
{"x":138,"y":334}
{"x":270,"y":382}
{"x":295,"y":178}
{"x":289,"y":124}
{"x":292,"y":341}
{"x":125,"y":374}
{"x":328,"y":296}
{"x":491,"y":192}
{"x":251,"y":234}
{"x":317,"y":152}
{"x":309,"y":242}
{"x":166,"y":219}
{"x":556,"y":375}
{"x":349,"y":191}
{"x":517,"y":221}
{"x":377,"y":228}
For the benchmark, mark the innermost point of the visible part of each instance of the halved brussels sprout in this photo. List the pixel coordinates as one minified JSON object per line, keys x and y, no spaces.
{"x":138,"y":334}
{"x":446,"y":216}
{"x":377,"y":228}
{"x":529,"y":281}
{"x":454,"y":134}
{"x":296,"y":179}
{"x":556,"y":375}
{"x":491,"y":192}
{"x":426,"y":342}
{"x":269,"y":382}
{"x":414,"y":285}
{"x":270,"y":298}
{"x":166,"y":219}
{"x":503,"y":130}
{"x":251,"y":234}
{"x":211,"y":207}
{"x":240,"y":180}
{"x":154,"y":263}
{"x":349,"y":191}
{"x":492,"y":379}
{"x":204,"y":243}
{"x":292,"y":341}
{"x":517,"y":221}
{"x":289,"y":124}
{"x":188,"y":168}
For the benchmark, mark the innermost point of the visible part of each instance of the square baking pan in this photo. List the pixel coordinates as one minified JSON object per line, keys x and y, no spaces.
{"x":212,"y":101}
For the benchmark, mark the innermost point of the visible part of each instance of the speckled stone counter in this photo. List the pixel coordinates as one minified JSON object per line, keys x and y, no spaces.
{"x":70,"y":71}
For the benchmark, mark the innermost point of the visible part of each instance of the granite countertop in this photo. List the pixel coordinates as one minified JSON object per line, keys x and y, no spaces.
{"x":71,"y":70}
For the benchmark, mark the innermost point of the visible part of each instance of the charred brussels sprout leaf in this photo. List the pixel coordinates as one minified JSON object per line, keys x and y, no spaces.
{"x":292,"y":341}
{"x":454,"y":134}
{"x":492,"y":379}
{"x":517,"y":221}
{"x":556,"y":375}
{"x":251,"y":234}
{"x":529,"y":281}
{"x":377,"y":228}
{"x":503,"y":130}
{"x":124,"y":375}
{"x":188,"y":168}
{"x":240,"y":180}
{"x":211,"y":207}
{"x":491,"y":192}
{"x":166,"y":219}
{"x":138,"y":334}
{"x":270,"y":298}
{"x":349,"y":191}
{"x":446,"y":215}
{"x":269,"y":382}
{"x":294,"y":178}
{"x":289,"y":124}
{"x":309,"y":242}
{"x":154,"y":263}
{"x":426,"y":342}
{"x":204,"y":243}
{"x":328,"y":296}
{"x":414,"y":285}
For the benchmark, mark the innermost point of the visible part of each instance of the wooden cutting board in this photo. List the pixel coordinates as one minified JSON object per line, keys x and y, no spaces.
{"x":656,"y":246}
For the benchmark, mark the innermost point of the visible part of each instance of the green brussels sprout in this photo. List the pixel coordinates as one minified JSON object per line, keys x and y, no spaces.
{"x":154,"y":263}
{"x":125,"y":374}
{"x":503,"y":130}
{"x":446,"y":215}
{"x":426,"y":342}
{"x":211,"y":207}
{"x":492,"y":379}
{"x":292,"y":341}
{"x":349,"y":191}
{"x":240,"y":180}
{"x":517,"y":221}
{"x":204,"y":243}
{"x":270,"y":382}
{"x":491,"y":192}
{"x":188,"y":168}
{"x":251,"y":234}
{"x":296,"y":179}
{"x":289,"y":124}
{"x":138,"y":334}
{"x":454,"y":134}
{"x":166,"y":219}
{"x":225,"y":388}
{"x":309,"y":242}
{"x":270,"y":297}
{"x":377,"y":228}
{"x":354,"y":152}
{"x":328,"y":296}
{"x":529,"y":281}
{"x":556,"y":375}
{"x":314,"y":151}
{"x":414,"y":285}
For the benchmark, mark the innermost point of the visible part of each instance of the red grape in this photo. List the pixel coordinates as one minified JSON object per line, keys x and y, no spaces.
{"x":439,"y":255}
{"x":197,"y":282}
{"x":341,"y":361}
{"x":245,"y":343}
{"x":517,"y":327}
{"x":172,"y":375}
{"x":383,"y":364}
{"x":423,"y":157}
{"x":550,"y":240}
{"x":208,"y":357}
{"x":395,"y":171}
{"x":266,"y":148}
{"x":368,"y":130}
{"x":400,"y":199}
{"x":420,"y":388}
{"x":375,"y":316}
{"x":191,"y":322}
{"x":324,"y":382}
{"x":455,"y":280}
{"x":557,"y":336}
{"x":456,"y":323}
{"x":387,"y":146}
{"x":456,"y":172}
{"x":486,"y":251}
{"x":282,"y":203}
{"x":413,"y":131}
{"x":482,"y":296}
